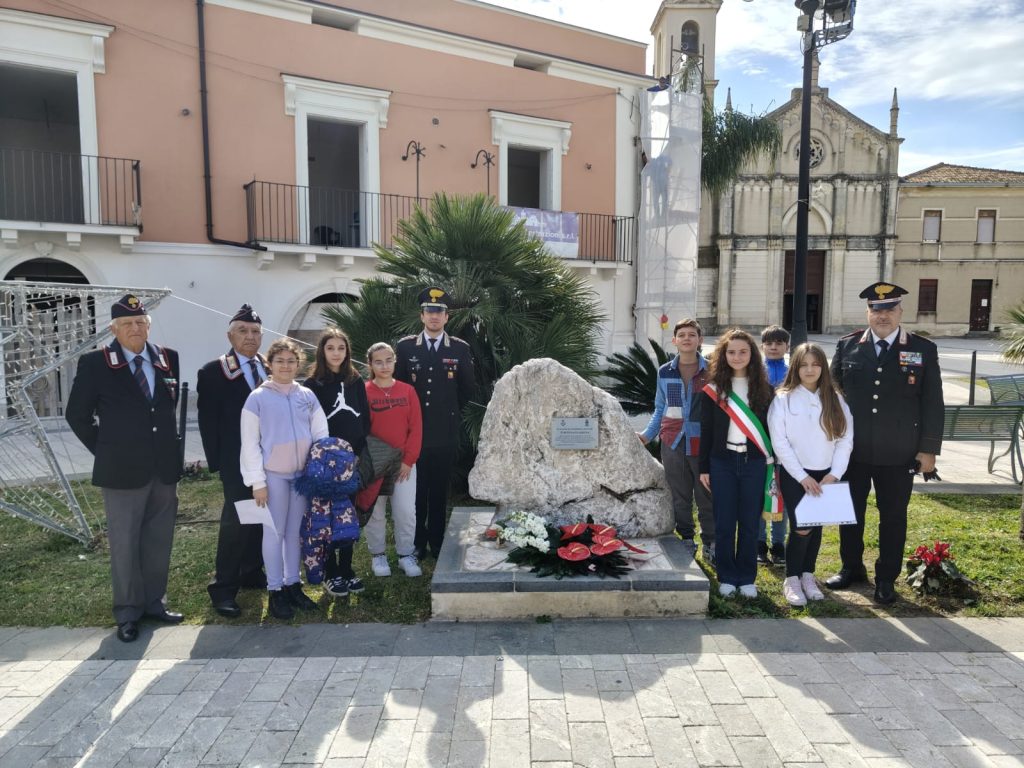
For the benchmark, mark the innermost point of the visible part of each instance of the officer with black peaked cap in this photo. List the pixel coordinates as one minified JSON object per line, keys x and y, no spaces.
{"x":440,"y":368}
{"x":893,"y":386}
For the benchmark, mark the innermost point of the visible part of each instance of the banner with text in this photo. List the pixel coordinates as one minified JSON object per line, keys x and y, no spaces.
{"x":558,"y":230}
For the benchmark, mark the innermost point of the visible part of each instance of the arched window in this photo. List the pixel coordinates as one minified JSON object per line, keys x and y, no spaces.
{"x":689,"y":39}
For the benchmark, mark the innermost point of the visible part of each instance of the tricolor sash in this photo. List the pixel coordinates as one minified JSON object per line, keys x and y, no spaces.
{"x":744,"y":418}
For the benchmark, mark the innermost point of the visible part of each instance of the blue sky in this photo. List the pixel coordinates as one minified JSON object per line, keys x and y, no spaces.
{"x":958,"y":66}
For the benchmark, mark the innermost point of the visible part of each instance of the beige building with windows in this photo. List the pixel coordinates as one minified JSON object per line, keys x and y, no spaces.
{"x":960,"y":248}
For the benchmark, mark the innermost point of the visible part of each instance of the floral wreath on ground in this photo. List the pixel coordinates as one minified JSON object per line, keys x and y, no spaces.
{"x":582,"y":549}
{"x":932,"y":571}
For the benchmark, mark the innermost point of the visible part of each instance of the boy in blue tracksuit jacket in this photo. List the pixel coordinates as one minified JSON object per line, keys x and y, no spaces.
{"x":676,"y":420}
{"x":774,"y":346}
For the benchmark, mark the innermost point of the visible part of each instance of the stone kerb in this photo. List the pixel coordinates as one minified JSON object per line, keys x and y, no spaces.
{"x":619,"y":483}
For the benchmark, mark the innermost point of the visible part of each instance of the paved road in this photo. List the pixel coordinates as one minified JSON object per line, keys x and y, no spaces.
{"x":617,"y":694}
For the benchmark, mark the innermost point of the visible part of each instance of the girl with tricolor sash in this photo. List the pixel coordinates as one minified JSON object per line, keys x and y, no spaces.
{"x":812,"y":431}
{"x":736,"y":460}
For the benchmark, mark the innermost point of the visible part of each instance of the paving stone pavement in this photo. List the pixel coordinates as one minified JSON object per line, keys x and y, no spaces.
{"x":848,"y":693}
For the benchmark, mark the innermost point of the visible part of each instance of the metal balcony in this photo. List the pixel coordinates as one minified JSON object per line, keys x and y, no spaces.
{"x":326,"y":217}
{"x":65,"y":188}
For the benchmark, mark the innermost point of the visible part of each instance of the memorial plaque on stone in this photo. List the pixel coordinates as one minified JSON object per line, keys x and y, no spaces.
{"x":574,"y":434}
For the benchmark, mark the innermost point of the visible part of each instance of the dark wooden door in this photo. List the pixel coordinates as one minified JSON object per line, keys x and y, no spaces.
{"x":981,"y":304}
{"x":815,"y":290}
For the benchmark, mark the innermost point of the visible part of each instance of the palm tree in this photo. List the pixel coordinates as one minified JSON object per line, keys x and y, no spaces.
{"x":1013,"y":352}
{"x":730,"y":140}
{"x":512,"y":301}
{"x":634,"y":377}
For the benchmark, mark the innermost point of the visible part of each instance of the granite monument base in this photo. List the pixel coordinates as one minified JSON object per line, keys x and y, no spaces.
{"x":474,"y":582}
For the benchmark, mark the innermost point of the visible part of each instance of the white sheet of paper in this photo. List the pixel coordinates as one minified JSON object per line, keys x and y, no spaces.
{"x":249,"y":513}
{"x":833,"y":507}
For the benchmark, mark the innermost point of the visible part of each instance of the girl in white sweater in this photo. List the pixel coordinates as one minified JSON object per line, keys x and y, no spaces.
{"x":812,"y":433}
{"x":280,"y":421}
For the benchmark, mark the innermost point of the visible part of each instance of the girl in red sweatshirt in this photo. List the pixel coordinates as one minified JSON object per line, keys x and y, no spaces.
{"x":395,"y":418}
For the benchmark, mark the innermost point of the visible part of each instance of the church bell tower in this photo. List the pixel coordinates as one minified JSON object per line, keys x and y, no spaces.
{"x":686,"y":27}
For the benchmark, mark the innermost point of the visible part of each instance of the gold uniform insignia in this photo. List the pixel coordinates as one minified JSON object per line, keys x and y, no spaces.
{"x":436,"y":294}
{"x":884,"y":290}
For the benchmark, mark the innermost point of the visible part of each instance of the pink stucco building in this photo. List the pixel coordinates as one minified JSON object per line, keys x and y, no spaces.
{"x":106,"y":176}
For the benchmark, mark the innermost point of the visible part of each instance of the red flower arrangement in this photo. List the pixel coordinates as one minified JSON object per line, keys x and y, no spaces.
{"x":582,"y":549}
{"x":932,"y":571}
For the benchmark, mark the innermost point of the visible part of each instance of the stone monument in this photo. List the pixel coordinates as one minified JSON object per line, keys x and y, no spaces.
{"x":542,"y":404}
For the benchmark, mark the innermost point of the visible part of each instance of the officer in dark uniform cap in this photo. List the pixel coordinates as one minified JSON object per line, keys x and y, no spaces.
{"x":222,"y":388}
{"x":440,"y":368}
{"x":893,"y":386}
{"x":122,"y":408}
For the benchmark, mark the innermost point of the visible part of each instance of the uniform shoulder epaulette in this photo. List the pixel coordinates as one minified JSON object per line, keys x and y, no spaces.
{"x":410,"y":337}
{"x":851,"y":334}
{"x":919,"y":337}
{"x":457,"y":340}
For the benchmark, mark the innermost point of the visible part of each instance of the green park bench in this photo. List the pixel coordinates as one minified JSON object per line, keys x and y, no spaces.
{"x":1007,"y":389}
{"x":988,"y":424}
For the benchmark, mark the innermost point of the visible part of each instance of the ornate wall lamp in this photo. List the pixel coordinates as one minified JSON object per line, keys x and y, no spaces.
{"x":417,"y":149}
{"x":488,"y":162}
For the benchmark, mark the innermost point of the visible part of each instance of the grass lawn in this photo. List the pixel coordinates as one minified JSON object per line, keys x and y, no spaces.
{"x":983,"y":534}
{"x":46,"y":579}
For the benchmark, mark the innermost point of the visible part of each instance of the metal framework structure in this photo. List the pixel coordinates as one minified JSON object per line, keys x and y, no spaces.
{"x":44,"y":328}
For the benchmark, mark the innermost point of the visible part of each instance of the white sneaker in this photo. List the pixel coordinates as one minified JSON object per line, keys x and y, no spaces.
{"x":749,"y":590}
{"x":793,"y":592}
{"x":380,"y":566}
{"x":726,"y":590}
{"x":410,"y":566}
{"x":810,"y":587}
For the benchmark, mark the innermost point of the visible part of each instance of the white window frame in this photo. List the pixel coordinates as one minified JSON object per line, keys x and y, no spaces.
{"x":367,"y":107}
{"x":551,"y":137}
{"x":993,"y":218}
{"x":924,"y":225}
{"x":70,"y":46}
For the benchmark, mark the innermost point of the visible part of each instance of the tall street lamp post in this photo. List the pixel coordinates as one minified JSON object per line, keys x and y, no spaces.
{"x":836,"y":23}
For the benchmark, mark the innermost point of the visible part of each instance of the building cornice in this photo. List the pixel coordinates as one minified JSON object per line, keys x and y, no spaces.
{"x":58,"y":23}
{"x":440,"y":41}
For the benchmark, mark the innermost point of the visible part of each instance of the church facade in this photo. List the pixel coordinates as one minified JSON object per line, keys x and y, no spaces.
{"x":748,"y":234}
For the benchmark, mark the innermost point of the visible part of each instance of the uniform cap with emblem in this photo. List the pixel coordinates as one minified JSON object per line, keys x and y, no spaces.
{"x":128,"y":305}
{"x":434,"y":300}
{"x":246,"y":314}
{"x":883,"y":295}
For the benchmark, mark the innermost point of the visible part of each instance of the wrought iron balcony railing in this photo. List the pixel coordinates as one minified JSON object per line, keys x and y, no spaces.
{"x":323,"y":216}
{"x":67,"y":188}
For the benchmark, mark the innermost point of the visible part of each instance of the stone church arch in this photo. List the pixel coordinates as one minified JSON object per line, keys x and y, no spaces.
{"x":819,"y":220}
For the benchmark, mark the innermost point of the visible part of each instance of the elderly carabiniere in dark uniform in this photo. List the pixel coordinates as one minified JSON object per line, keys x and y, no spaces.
{"x":893,"y":386}
{"x":122,"y":407}
{"x":440,"y":368}
{"x":222,"y":387}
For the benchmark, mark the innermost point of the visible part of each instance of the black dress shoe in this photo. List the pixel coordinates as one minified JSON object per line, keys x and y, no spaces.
{"x":128,"y":632}
{"x":845,"y":578}
{"x":885,"y":592}
{"x":229,"y":609}
{"x":422,"y":553}
{"x":762,"y":553}
{"x":167,"y":617}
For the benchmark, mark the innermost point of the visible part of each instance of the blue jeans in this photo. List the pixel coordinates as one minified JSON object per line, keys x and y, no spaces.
{"x":778,"y":530}
{"x":737,"y":493}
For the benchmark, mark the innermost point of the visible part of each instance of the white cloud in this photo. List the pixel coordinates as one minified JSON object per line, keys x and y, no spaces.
{"x":1009,"y":158}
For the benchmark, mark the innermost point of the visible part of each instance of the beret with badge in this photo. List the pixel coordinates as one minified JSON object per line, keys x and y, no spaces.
{"x":128,"y":305}
{"x":246,"y":314}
